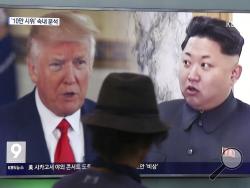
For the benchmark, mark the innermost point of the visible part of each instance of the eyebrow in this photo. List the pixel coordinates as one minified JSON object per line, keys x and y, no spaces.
{"x":202,"y":57}
{"x":80,"y":57}
{"x":57,"y":57}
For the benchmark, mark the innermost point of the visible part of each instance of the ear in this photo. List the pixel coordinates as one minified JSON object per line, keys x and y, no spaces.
{"x":236,"y":72}
{"x":32,"y":68}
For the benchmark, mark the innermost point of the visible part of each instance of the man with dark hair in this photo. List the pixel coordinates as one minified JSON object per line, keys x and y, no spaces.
{"x":209,"y":120}
{"x":124,"y":125}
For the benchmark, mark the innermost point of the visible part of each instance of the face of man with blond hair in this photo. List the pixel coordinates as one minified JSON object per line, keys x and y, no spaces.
{"x":60,"y":60}
{"x":61,"y":75}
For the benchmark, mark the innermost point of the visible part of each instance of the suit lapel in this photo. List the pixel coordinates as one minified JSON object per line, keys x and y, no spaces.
{"x":90,"y":153}
{"x":32,"y":132}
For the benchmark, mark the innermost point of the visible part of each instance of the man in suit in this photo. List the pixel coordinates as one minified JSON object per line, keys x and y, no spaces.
{"x":48,"y":120}
{"x":209,"y":119}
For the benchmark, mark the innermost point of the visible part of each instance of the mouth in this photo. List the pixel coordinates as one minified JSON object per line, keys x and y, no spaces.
{"x":191,"y":90}
{"x":69,"y":95}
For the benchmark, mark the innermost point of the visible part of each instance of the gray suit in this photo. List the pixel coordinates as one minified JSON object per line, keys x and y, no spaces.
{"x":200,"y":137}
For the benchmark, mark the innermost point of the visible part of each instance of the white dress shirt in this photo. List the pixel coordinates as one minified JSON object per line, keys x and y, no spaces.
{"x":49,"y":123}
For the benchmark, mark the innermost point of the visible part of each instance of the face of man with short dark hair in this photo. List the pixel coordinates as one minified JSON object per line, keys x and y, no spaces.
{"x":61,"y":74}
{"x":206,"y":75}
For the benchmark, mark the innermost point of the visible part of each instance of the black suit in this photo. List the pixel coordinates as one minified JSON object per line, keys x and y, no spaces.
{"x":200,"y":137}
{"x":20,"y":121}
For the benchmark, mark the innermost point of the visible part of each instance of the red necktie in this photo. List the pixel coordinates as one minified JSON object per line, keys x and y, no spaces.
{"x":64,"y":153}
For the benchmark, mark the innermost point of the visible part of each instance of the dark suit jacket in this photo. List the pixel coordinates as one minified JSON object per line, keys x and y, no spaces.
{"x":200,"y":137}
{"x":20,"y":121}
{"x":98,"y":179}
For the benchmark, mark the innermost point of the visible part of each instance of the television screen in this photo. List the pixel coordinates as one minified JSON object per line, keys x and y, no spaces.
{"x":144,"y":42}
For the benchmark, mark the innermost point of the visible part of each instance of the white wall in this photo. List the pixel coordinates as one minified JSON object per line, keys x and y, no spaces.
{"x":242,"y":86}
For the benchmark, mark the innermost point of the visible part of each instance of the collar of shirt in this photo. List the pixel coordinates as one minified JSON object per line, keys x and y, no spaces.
{"x":52,"y":134}
{"x":49,"y":118}
{"x":210,"y":119}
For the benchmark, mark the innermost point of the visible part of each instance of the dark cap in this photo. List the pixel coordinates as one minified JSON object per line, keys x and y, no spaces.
{"x":127,"y":102}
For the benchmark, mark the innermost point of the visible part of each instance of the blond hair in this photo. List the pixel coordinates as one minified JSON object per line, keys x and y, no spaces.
{"x":73,"y":27}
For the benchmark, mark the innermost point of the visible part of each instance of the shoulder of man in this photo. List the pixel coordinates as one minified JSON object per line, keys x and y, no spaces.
{"x":88,"y":106}
{"x":169,"y":108}
{"x":22,"y":105}
{"x":242,"y":106}
{"x":91,"y":178}
{"x":14,"y":115}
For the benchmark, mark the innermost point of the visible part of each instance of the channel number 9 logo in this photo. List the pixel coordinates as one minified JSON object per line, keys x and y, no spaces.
{"x":16,"y":152}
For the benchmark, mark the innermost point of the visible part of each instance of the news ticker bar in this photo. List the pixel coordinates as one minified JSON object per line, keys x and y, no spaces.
{"x":34,"y":21}
{"x":13,"y":169}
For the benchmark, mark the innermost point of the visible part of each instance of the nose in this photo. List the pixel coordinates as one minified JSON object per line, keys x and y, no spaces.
{"x":193,"y":75}
{"x":70,"y":74}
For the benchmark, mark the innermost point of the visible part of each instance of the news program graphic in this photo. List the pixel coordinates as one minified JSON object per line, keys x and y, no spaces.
{"x":16,"y":152}
{"x":231,"y":158}
{"x":34,"y":21}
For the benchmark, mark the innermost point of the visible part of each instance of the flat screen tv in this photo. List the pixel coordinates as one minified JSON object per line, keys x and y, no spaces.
{"x":141,"y":41}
